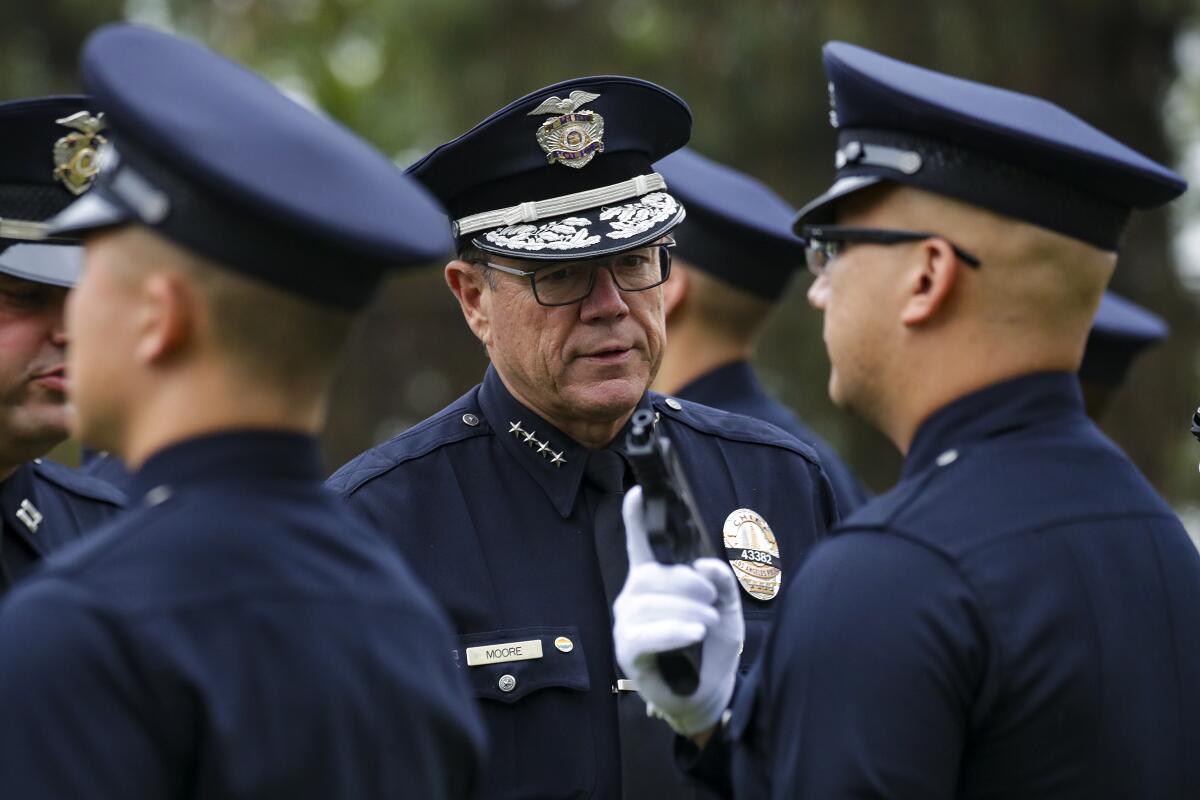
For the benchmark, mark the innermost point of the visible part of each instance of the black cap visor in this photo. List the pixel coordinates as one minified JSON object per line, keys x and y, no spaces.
{"x":54,"y":264}
{"x":820,"y":211}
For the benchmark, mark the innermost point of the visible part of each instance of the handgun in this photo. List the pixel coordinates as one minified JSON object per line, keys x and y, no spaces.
{"x":673,"y":527}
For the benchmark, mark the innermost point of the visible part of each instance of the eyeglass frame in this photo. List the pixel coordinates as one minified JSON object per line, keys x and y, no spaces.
{"x":664,"y":254}
{"x":850,"y":234}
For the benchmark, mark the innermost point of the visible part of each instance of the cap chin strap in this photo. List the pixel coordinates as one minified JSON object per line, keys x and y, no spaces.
{"x":22,"y":229}
{"x":560,"y":206}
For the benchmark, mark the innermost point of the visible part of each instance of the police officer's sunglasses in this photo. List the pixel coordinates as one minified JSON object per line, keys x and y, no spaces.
{"x":824,"y":243}
{"x":562,"y":283}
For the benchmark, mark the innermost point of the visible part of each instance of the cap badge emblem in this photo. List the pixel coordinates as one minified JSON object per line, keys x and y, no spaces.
{"x":75,"y":162}
{"x":574,"y":137}
{"x":833,"y":117}
{"x":753,"y":552}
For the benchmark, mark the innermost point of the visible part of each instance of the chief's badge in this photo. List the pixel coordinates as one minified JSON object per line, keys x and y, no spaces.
{"x":75,"y":162}
{"x":753,"y":553}
{"x":574,"y":137}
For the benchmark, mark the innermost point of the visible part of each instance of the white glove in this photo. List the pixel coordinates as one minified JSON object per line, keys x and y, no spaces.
{"x":663,"y":608}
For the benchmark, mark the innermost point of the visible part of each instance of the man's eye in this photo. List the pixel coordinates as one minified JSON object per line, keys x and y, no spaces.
{"x":556,"y":275}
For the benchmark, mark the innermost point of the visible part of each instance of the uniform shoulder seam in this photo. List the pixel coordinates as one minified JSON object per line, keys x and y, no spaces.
{"x":444,"y":428}
{"x":732,"y":426}
{"x":79,"y":484}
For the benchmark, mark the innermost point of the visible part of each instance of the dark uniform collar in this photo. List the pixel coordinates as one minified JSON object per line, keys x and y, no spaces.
{"x":231,"y":456}
{"x":553,"y":459}
{"x":718,"y":384}
{"x":18,"y":502}
{"x":999,"y":408}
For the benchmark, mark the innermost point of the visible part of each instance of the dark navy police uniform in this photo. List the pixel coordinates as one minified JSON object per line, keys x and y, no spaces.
{"x":1018,"y":617}
{"x":235,"y":625}
{"x":237,"y":632}
{"x":497,"y":525}
{"x":1026,"y":593}
{"x":105,"y":466}
{"x":47,"y":506}
{"x":736,"y":388}
{"x":740,"y":232}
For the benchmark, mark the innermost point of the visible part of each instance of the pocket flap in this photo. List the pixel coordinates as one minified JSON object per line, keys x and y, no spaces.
{"x":507,"y":665}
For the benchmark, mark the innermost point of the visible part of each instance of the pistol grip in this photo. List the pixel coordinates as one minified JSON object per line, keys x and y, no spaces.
{"x":681,"y":668}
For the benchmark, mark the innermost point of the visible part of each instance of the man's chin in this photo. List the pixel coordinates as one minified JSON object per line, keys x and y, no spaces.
{"x":608,"y":398}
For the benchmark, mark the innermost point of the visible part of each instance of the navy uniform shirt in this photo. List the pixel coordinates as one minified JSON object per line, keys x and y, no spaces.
{"x":105,"y":466}
{"x":497,"y":525}
{"x":734,"y":387}
{"x":1018,"y":618}
{"x":47,"y":505}
{"x":235,"y":633}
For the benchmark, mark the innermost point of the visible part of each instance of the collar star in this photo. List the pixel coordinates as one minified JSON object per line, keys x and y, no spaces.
{"x":539,"y":447}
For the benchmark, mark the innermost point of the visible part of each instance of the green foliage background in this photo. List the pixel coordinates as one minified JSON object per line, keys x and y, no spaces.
{"x":409,"y":74}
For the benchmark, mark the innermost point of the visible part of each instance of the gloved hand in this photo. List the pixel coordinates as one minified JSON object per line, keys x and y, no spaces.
{"x":665,"y":607}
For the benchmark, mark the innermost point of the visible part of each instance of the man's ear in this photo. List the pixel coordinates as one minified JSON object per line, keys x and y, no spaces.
{"x":167,"y":317}
{"x":675,"y":289}
{"x":467,"y":284}
{"x":930,"y":277}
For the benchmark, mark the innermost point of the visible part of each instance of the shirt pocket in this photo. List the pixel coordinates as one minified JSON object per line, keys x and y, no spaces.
{"x":537,"y":710}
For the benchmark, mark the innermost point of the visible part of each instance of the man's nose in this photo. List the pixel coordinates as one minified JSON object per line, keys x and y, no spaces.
{"x":818,"y":293}
{"x":58,"y":327}
{"x":606,"y":300}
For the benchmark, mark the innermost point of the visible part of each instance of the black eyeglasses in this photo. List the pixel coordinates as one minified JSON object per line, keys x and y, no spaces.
{"x":565,"y":282}
{"x":826,"y":242}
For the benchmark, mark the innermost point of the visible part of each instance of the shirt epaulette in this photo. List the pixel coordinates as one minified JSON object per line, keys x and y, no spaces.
{"x":448,"y":426}
{"x":78,"y":483}
{"x":729,"y":426}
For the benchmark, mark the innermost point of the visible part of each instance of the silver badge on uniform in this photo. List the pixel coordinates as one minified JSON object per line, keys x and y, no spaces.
{"x":575,"y":136}
{"x":753,"y":553}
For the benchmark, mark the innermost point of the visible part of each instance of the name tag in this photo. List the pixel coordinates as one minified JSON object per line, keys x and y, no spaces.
{"x":507,"y":651}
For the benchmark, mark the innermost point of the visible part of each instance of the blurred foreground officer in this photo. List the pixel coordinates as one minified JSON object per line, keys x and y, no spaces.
{"x":236,"y":633}
{"x":1120,"y":332}
{"x":508,"y":502}
{"x":735,"y":257}
{"x":1018,"y":617}
{"x":47,"y":158}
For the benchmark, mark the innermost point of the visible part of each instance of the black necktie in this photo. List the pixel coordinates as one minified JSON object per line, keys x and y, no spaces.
{"x":604,"y":487}
{"x":647,"y":745}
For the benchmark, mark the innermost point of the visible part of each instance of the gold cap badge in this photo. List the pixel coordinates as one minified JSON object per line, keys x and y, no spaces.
{"x":75,"y":162}
{"x":574,"y":137}
{"x":753,"y":553}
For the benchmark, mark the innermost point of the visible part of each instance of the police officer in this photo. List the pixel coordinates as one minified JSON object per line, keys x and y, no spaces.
{"x":508,"y":501}
{"x":1016,"y":618}
{"x":735,"y":257}
{"x":1121,"y":331}
{"x":47,"y":158}
{"x":236,"y":632}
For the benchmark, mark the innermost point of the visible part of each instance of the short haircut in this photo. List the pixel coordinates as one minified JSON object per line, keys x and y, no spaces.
{"x":278,"y":339}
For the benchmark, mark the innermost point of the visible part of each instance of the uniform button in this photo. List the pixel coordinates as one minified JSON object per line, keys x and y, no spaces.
{"x":674,"y":404}
{"x":157,"y":495}
{"x":507,"y":683}
{"x":470,"y":419}
{"x":947,"y":458}
{"x":564,"y":644}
